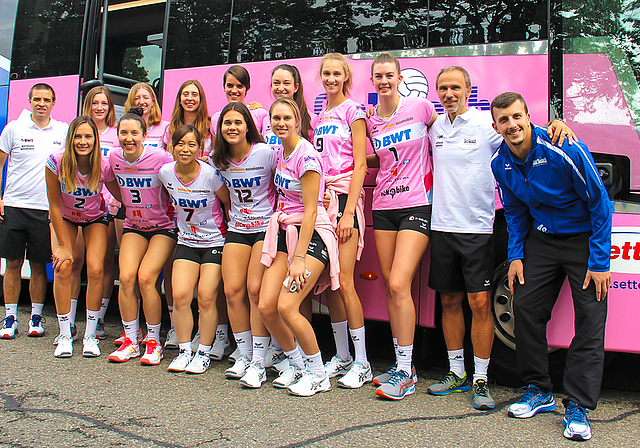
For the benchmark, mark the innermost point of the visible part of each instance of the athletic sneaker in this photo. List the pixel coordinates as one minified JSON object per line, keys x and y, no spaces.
{"x":180,"y":362}
{"x":199,"y":363}
{"x":481,"y":397}
{"x":100,"y":334}
{"x":64,"y":349}
{"x":235,"y":355}
{"x":386,"y":376}
{"x":152,"y":354}
{"x":337,"y":366}
{"x":127,"y":350}
{"x":449,"y":384}
{"x":288,"y":376}
{"x":399,"y":386}
{"x":532,"y":402}
{"x":195,"y":342}
{"x":310,"y":383}
{"x":274,"y":357}
{"x":9,"y":329}
{"x":74,"y":335}
{"x":221,"y":348}
{"x":238,"y":370}
{"x":35,"y":326}
{"x":356,"y":377}
{"x":121,"y":339}
{"x":254,"y":376}
{"x":145,"y":339}
{"x":576,"y":423}
{"x":172,"y":340}
{"x":90,"y":347}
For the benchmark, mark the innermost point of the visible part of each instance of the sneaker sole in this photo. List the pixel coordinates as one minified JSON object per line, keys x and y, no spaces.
{"x":119,"y":360}
{"x":233,"y":375}
{"x":576,"y":437}
{"x":101,"y":338}
{"x":90,"y":354}
{"x":64,"y":355}
{"x":346,"y":386}
{"x":542,"y":408}
{"x":6,"y":336}
{"x":191,"y":372}
{"x":409,"y":391}
{"x":316,"y":392}
{"x":450,"y":391}
{"x":484,"y":407}
{"x":35,"y":334}
{"x":146,"y":362}
{"x":170,"y":347}
{"x":251,"y":386}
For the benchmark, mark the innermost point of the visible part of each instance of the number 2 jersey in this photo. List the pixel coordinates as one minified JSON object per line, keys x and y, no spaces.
{"x":402,"y":143}
{"x":200,"y":220}
{"x":148,"y":205}
{"x":250,"y":183}
{"x":81,"y":205}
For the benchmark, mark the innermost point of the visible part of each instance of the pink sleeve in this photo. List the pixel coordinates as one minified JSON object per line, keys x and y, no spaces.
{"x":53,"y":163}
{"x":165,"y":137}
{"x":430,"y":108}
{"x":355,"y":112}
{"x":107,"y":173}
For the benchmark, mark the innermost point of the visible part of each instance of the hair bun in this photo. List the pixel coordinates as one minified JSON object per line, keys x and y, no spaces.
{"x":137,"y":110}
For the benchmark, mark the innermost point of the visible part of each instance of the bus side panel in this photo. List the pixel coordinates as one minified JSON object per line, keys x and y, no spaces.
{"x":65,"y":87}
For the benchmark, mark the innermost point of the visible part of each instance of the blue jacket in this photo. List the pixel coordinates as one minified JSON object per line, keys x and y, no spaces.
{"x":561,"y":189}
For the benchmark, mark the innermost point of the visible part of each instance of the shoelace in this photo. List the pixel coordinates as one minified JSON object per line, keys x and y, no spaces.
{"x":397,"y":377}
{"x":529,"y":394}
{"x":577,"y":414}
{"x":37,"y":318}
{"x":481,"y":388}
{"x":8,"y":321}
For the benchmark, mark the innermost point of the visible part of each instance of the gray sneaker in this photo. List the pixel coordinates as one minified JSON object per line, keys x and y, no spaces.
{"x":449,"y":384}
{"x":481,"y":397}
{"x":386,"y":376}
{"x":100,"y":334}
{"x":399,"y":386}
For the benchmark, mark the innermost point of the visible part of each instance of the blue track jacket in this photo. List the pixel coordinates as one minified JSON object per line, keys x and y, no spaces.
{"x":561,"y":189}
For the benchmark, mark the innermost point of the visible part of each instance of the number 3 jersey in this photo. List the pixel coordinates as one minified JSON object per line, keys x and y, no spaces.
{"x":148,"y":205}
{"x":250,"y":183}
{"x":81,"y":205}
{"x":402,"y":143}
{"x":200,"y":217}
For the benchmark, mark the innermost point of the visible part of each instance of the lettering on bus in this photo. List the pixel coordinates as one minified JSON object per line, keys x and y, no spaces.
{"x":625,"y":250}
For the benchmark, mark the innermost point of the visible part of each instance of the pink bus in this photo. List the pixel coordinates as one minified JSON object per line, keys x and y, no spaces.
{"x":578,"y":63}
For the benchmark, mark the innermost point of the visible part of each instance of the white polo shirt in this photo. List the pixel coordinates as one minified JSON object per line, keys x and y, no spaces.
{"x":463,"y":183}
{"x":28,"y":148}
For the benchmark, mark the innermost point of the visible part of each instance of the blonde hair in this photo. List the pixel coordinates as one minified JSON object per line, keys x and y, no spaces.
{"x":348,"y":79}
{"x":203,"y":120}
{"x":86,"y":107}
{"x":69,"y":162}
{"x":294,"y":107}
{"x":155,"y":114}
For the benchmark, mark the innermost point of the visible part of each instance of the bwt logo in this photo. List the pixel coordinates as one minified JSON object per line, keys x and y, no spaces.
{"x":625,"y":251}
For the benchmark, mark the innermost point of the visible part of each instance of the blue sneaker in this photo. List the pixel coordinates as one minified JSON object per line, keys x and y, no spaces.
{"x":10,"y":328}
{"x":36,"y":329}
{"x":575,"y":422}
{"x":399,"y":386}
{"x":532,"y":402}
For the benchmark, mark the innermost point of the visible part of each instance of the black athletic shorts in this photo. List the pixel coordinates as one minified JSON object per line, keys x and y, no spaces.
{"x":342,"y":202}
{"x":25,"y":228}
{"x":248,"y":239}
{"x":148,"y":234}
{"x":99,"y":220}
{"x":317,"y":249}
{"x":122,"y":212}
{"x":200,"y":255}
{"x":412,"y":218}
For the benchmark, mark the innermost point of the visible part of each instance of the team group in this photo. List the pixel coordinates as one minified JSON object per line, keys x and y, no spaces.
{"x":268,"y":206}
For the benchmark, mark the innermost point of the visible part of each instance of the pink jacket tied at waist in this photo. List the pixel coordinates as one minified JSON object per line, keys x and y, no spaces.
{"x":324,"y":229}
{"x":340,"y":184}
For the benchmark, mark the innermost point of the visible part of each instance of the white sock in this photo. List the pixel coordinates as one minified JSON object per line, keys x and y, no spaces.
{"x":64,"y":322}
{"x":395,"y":348}
{"x":223,"y":330}
{"x":186,"y":346}
{"x":204,"y":348}
{"x":273,"y":342}
{"x":154,"y":332}
{"x":92,"y":323}
{"x":260,"y":346}
{"x":170,"y":307}
{"x":11,"y":309}
{"x":36,"y":308}
{"x":304,"y":355}
{"x":131,"y":330}
{"x":405,"y":355}
{"x":341,"y":336}
{"x":244,"y":343}
{"x":295,"y":356}
{"x":358,"y":339}
{"x":74,"y":310}
{"x":480,"y":368}
{"x":103,"y":308}
{"x":315,"y":364}
{"x":456,"y":362}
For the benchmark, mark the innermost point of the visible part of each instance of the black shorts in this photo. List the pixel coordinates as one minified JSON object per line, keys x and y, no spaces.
{"x":317,"y":249}
{"x":148,"y":234}
{"x":24,"y":228}
{"x":122,"y":212}
{"x":99,"y":220}
{"x":461,"y":262}
{"x":200,"y":255}
{"x":412,"y":218}
{"x":342,"y":202}
{"x":248,"y":239}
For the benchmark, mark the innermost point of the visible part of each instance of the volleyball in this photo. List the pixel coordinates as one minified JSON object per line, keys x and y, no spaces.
{"x":414,"y":83}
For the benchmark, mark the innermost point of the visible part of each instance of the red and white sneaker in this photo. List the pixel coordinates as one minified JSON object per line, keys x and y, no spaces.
{"x":127,"y":350}
{"x":153,"y":354}
{"x":118,"y":342}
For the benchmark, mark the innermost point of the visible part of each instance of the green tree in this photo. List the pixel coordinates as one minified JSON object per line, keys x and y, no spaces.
{"x":131,"y":67}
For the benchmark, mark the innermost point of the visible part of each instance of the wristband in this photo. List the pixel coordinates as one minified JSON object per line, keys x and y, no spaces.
{"x":299,"y":256}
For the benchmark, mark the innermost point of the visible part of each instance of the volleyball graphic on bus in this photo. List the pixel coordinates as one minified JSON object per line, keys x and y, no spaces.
{"x":414,"y":83}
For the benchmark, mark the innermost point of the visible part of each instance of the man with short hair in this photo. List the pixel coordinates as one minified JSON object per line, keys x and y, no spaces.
{"x":560,"y":191}
{"x":24,"y":208}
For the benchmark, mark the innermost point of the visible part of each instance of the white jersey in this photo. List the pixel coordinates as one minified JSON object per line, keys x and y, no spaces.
{"x":28,"y":148}
{"x":253,"y":194}
{"x":199,"y":219}
{"x":463,"y":184}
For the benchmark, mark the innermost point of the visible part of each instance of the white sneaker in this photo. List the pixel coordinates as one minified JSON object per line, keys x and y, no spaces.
{"x":74,"y":335}
{"x":289,"y":376}
{"x":119,"y":341}
{"x":235,"y":355}
{"x":64,"y":348}
{"x":128,"y":349}
{"x":221,"y":348}
{"x":337,"y":366}
{"x":100,"y":333}
{"x":146,"y":339}
{"x":254,"y":376}
{"x":238,"y":370}
{"x":36,"y":329}
{"x":195,"y":342}
{"x":172,"y":340}
{"x":199,"y":363}
{"x":153,"y":353}
{"x":310,"y":384}
{"x":90,"y":347}
{"x":274,"y":357}
{"x":9,"y":328}
{"x":356,"y":377}
{"x":180,"y":362}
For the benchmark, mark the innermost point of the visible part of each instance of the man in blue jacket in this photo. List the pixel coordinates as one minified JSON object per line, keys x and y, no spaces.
{"x":559,"y":221}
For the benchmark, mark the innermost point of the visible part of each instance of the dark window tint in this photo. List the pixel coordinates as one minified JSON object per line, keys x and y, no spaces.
{"x":47,"y":38}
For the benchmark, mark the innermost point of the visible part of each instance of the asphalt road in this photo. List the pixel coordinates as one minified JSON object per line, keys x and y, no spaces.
{"x":48,"y":402}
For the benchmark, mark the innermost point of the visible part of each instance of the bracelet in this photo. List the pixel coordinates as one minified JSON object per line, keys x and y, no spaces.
{"x":299,"y":256}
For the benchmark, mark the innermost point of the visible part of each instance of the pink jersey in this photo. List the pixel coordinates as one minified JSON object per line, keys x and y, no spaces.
{"x":109,"y":140}
{"x":402,"y":143}
{"x":250,"y":183}
{"x":200,"y":220}
{"x":288,"y":173}
{"x":333,"y":136}
{"x":148,"y":205}
{"x":272,"y":139}
{"x":155,"y":134}
{"x":257,"y":114}
{"x":166,"y":139}
{"x":81,"y":205}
